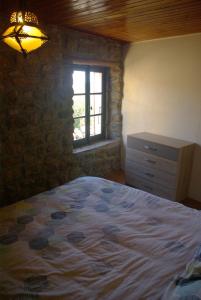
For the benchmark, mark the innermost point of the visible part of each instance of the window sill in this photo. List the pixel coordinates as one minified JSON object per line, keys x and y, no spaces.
{"x":96,"y":146}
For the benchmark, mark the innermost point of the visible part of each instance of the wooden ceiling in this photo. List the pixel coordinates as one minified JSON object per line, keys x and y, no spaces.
{"x":126,"y":20}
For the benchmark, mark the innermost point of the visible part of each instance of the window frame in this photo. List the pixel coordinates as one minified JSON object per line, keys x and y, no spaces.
{"x":99,"y":137}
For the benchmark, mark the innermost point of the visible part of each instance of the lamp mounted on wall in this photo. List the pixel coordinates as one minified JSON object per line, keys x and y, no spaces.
{"x":24,"y":33}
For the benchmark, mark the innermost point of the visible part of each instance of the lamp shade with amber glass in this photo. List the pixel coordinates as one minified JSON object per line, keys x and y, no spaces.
{"x":24,"y":34}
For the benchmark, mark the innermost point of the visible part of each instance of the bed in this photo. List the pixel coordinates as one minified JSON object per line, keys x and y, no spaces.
{"x":96,"y":239}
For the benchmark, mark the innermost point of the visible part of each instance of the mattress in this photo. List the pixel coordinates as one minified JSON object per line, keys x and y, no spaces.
{"x":94,"y":239}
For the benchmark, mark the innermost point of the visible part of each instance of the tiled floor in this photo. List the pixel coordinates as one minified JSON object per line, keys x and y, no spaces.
{"x":119,"y":176}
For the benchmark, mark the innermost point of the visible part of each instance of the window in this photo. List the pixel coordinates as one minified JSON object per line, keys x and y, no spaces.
{"x":89,"y":104}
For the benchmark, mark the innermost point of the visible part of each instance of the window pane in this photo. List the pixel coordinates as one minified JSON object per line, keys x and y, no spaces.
{"x":79,"y":82}
{"x":79,"y":129}
{"x":95,"y":125}
{"x":79,"y":106}
{"x":95,"y":104}
{"x":95,"y":82}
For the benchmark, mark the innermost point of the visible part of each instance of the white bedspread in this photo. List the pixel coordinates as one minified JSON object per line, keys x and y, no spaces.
{"x":94,"y":239}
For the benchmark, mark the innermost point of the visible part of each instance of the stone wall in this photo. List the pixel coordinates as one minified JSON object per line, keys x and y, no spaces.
{"x":99,"y":160}
{"x":36,"y":114}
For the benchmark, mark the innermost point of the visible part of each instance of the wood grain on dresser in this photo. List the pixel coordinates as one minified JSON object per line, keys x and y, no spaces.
{"x":158,"y":164}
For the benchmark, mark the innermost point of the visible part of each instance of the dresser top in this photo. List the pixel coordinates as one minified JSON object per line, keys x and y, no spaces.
{"x":160,"y":139}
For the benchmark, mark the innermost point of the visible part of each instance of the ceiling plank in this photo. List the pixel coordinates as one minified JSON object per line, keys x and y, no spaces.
{"x":126,"y":20}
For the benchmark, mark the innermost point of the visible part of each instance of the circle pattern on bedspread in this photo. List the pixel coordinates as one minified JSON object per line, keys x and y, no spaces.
{"x":36,"y":283}
{"x":81,"y":196}
{"x":101,"y":207}
{"x":58,"y":215}
{"x":77,"y":205}
{"x":38,"y":243}
{"x":106,"y":198}
{"x":107,"y":190}
{"x":8,"y":239}
{"x":24,"y":219}
{"x":127,"y":204}
{"x":75,"y":237}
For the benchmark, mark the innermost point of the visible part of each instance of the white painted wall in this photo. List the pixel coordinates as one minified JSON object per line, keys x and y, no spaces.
{"x":162,"y":93}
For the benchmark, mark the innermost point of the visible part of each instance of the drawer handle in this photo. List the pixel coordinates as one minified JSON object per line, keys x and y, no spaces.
{"x":150,"y":161}
{"x":148,"y":187}
{"x":149,"y":175}
{"x":147,"y":147}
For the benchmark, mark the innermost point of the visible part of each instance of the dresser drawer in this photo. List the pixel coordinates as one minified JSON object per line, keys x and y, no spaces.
{"x":149,"y":160}
{"x":153,"y":148}
{"x":158,"y":164}
{"x":153,"y":188}
{"x":153,"y":175}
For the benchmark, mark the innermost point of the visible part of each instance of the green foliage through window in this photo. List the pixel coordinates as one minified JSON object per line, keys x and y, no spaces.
{"x":89,"y":104}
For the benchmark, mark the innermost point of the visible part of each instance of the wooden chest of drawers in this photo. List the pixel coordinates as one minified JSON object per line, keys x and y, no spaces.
{"x":159,"y":165}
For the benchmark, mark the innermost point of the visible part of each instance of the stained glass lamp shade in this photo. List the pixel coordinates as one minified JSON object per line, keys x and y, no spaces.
{"x":23,"y":34}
